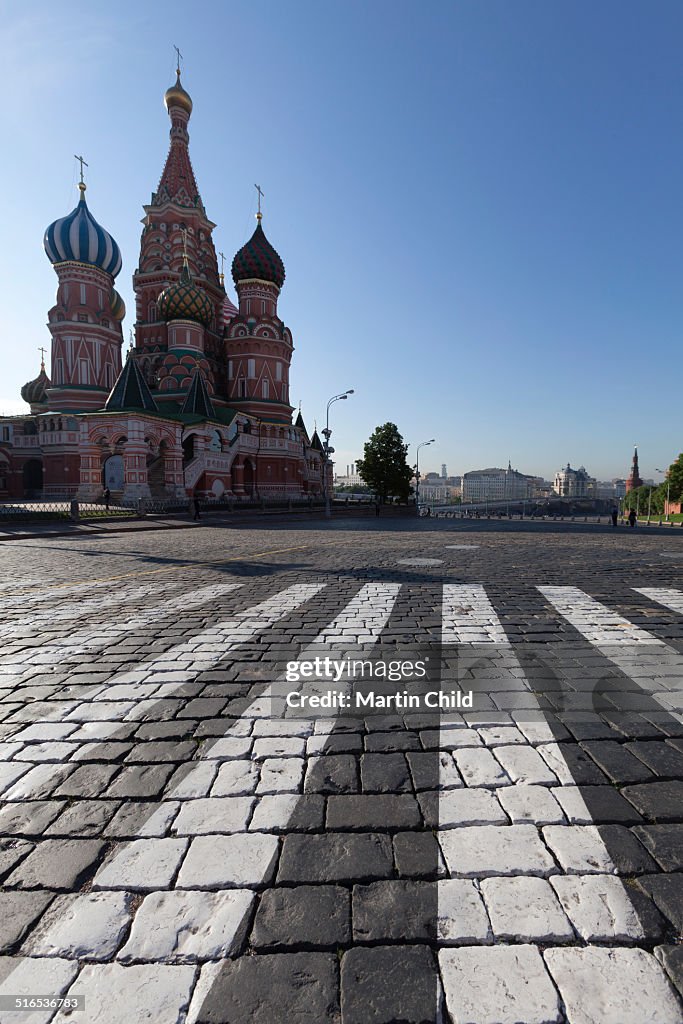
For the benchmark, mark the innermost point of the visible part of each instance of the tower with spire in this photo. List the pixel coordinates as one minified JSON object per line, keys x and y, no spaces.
{"x":634,"y":479}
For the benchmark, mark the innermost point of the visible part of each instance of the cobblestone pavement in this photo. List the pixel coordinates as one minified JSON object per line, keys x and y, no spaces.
{"x":175,"y":852}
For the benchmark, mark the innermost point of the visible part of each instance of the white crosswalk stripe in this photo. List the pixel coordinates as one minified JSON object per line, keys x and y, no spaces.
{"x":469,"y":617}
{"x":668,"y":597}
{"x":16,"y":666}
{"x":595,"y":621}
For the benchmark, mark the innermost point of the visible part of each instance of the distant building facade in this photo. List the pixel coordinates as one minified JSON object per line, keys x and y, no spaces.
{"x":496,"y":484}
{"x":574,"y":483}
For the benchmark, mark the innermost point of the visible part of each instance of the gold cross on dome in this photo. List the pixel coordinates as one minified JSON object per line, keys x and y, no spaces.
{"x":83,"y":164}
{"x":261,"y":195}
{"x":179,"y":57}
{"x":42,"y":356}
{"x":222,"y":257}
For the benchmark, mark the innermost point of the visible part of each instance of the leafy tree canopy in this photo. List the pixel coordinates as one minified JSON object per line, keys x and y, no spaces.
{"x":383,"y":466}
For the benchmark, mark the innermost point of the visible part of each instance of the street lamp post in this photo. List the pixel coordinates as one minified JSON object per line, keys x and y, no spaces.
{"x":668,"y":490}
{"x":327,"y":450}
{"x":417,"y":474}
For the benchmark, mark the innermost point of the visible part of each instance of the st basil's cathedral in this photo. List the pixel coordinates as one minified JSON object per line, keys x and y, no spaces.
{"x":201,"y":404}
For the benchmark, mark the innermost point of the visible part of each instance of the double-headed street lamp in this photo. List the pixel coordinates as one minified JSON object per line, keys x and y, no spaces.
{"x":417,"y":474}
{"x":327,"y":450}
{"x":668,"y":490}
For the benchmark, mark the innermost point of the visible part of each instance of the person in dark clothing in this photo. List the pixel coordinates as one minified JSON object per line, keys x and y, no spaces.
{"x":615,"y":516}
{"x":107,"y":498}
{"x":632,"y":517}
{"x":195,"y":505}
{"x":378,"y":508}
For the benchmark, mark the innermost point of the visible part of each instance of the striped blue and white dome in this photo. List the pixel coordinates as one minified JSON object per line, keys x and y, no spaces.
{"x":79,"y":237}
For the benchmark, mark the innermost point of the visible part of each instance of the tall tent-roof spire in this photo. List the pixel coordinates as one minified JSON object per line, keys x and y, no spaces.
{"x":178,"y":183}
{"x":197,"y":401}
{"x":130,"y":390}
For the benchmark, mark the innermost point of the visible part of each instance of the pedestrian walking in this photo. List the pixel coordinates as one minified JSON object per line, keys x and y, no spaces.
{"x":615,"y":516}
{"x":107,"y":498}
{"x":632,"y":517}
{"x":195,"y":505}
{"x":378,"y":508}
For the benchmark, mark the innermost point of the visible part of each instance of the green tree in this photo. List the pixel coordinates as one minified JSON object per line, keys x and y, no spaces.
{"x":675,"y":477}
{"x":383,"y":466}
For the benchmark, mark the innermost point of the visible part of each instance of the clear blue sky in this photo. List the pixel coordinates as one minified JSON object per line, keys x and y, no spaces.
{"x":478,"y":203}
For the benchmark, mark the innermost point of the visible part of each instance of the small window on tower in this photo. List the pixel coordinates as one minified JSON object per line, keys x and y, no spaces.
{"x":278,"y":371}
{"x":241,"y":388}
{"x":251,"y":368}
{"x":83,"y":300}
{"x":230,"y":369}
{"x":265,"y":389}
{"x":263,"y":308}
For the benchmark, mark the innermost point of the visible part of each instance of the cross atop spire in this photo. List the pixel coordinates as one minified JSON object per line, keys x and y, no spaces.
{"x":42,"y":357}
{"x":179,"y":57}
{"x":222,"y":258}
{"x":261,"y":194}
{"x":83,"y":164}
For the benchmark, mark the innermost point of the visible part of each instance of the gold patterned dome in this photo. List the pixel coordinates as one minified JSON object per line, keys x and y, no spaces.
{"x":117,"y":305}
{"x":176,"y":96}
{"x":184,"y":301}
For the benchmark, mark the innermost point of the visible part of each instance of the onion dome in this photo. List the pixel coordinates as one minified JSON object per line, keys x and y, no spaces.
{"x":258,"y":259}
{"x":117,"y":305}
{"x":230,"y":310}
{"x":184,"y":301}
{"x":79,"y":237}
{"x":176,"y":96}
{"x":33,"y":392}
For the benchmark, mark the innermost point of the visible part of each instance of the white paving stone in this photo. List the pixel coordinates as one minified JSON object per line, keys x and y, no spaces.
{"x":469,"y":807}
{"x":10,"y":771}
{"x":613,"y":986}
{"x":552,"y":755}
{"x":574,"y":805}
{"x":197,"y":782}
{"x":272,"y":813}
{"x":480,"y":851}
{"x":525,"y":910}
{"x":281,"y":775}
{"x":89,"y":925}
{"x":525,"y":765}
{"x":236,"y":778}
{"x":159,"y":822}
{"x":227,"y":862}
{"x":229,"y":748}
{"x":500,"y":735}
{"x":26,"y":976}
{"x":599,"y":907}
{"x":290,"y":727}
{"x":44,"y":731}
{"x":461,"y":915}
{"x":139,"y":994}
{"x":479,"y":767}
{"x":498,"y":985}
{"x":213,"y":814}
{"x":50,"y":751}
{"x":450,"y":739}
{"x":37,"y":779}
{"x":278,"y":746}
{"x":142,"y":865}
{"x":531,"y":805}
{"x":579,"y":849}
{"x":183,"y":927}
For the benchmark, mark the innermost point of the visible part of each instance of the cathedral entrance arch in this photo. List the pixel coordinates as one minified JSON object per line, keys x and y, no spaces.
{"x":112,"y":473}
{"x":32,"y":477}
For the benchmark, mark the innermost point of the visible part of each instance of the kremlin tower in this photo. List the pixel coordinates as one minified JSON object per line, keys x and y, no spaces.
{"x":201,"y":406}
{"x":634,"y":479}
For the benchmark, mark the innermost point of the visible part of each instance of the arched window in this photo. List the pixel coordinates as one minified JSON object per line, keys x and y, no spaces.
{"x":152,"y":313}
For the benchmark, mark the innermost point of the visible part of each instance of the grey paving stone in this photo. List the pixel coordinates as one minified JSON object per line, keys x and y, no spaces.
{"x":305,"y":917}
{"x":667,"y":892}
{"x":461,"y":915}
{"x":39,"y":783}
{"x":617,"y":761}
{"x":525,"y":910}
{"x":479,"y":851}
{"x":185,"y":927}
{"x":612,"y":986}
{"x":657,"y":801}
{"x":393,"y":911}
{"x":18,"y":911}
{"x":274,"y":987}
{"x":147,"y":753}
{"x":336,"y":743}
{"x":83,"y":819}
{"x":368,"y":811}
{"x":89,"y":926}
{"x":417,"y":855}
{"x":29,"y":818}
{"x":665,"y":843}
{"x":335,"y":857}
{"x":433,"y":770}
{"x":287,"y":812}
{"x":627,"y":854}
{"x":12,"y":851}
{"x":664,"y":760}
{"x":244,"y":860}
{"x":57,"y":864}
{"x":671,"y":957}
{"x":108,"y":751}
{"x":142,"y":818}
{"x":88,"y":780}
{"x":498,"y":985}
{"x":384,"y":985}
{"x":385,"y":773}
{"x":531,"y":805}
{"x":603,"y":909}
{"x":332,"y":773}
{"x":218,"y":814}
{"x":584,"y":805}
{"x":139,"y":781}
{"x":389,"y":742}
{"x":479,"y":767}
{"x":571,"y":764}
